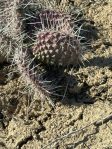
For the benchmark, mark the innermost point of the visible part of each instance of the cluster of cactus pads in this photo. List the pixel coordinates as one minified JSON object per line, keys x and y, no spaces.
{"x":54,"y":44}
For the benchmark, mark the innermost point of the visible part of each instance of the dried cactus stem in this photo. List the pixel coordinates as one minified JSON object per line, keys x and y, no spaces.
{"x":32,"y":76}
{"x":10,"y":24}
{"x":7,"y":45}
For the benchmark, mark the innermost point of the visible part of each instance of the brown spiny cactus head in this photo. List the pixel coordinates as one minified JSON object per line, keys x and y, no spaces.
{"x":53,"y":19}
{"x":57,"y":48}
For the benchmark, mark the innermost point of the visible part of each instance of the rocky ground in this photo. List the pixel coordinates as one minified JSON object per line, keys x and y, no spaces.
{"x":82,"y":120}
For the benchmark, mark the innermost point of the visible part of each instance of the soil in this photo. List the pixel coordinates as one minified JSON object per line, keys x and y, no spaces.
{"x":84,"y":117}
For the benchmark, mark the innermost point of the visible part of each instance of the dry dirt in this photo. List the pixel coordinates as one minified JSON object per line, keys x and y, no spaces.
{"x":90,"y":105}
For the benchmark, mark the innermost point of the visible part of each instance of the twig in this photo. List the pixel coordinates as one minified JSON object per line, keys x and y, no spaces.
{"x":98,"y":122}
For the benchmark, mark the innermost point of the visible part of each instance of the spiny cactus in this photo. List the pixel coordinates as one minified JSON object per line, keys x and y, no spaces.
{"x":55,"y":41}
{"x":57,"y":48}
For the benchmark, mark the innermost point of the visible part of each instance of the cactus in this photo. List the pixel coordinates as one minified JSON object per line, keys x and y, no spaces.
{"x":55,"y":42}
{"x":52,"y":47}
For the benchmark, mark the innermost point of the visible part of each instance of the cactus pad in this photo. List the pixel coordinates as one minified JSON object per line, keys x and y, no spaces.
{"x":53,"y":19}
{"x":57,"y":48}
